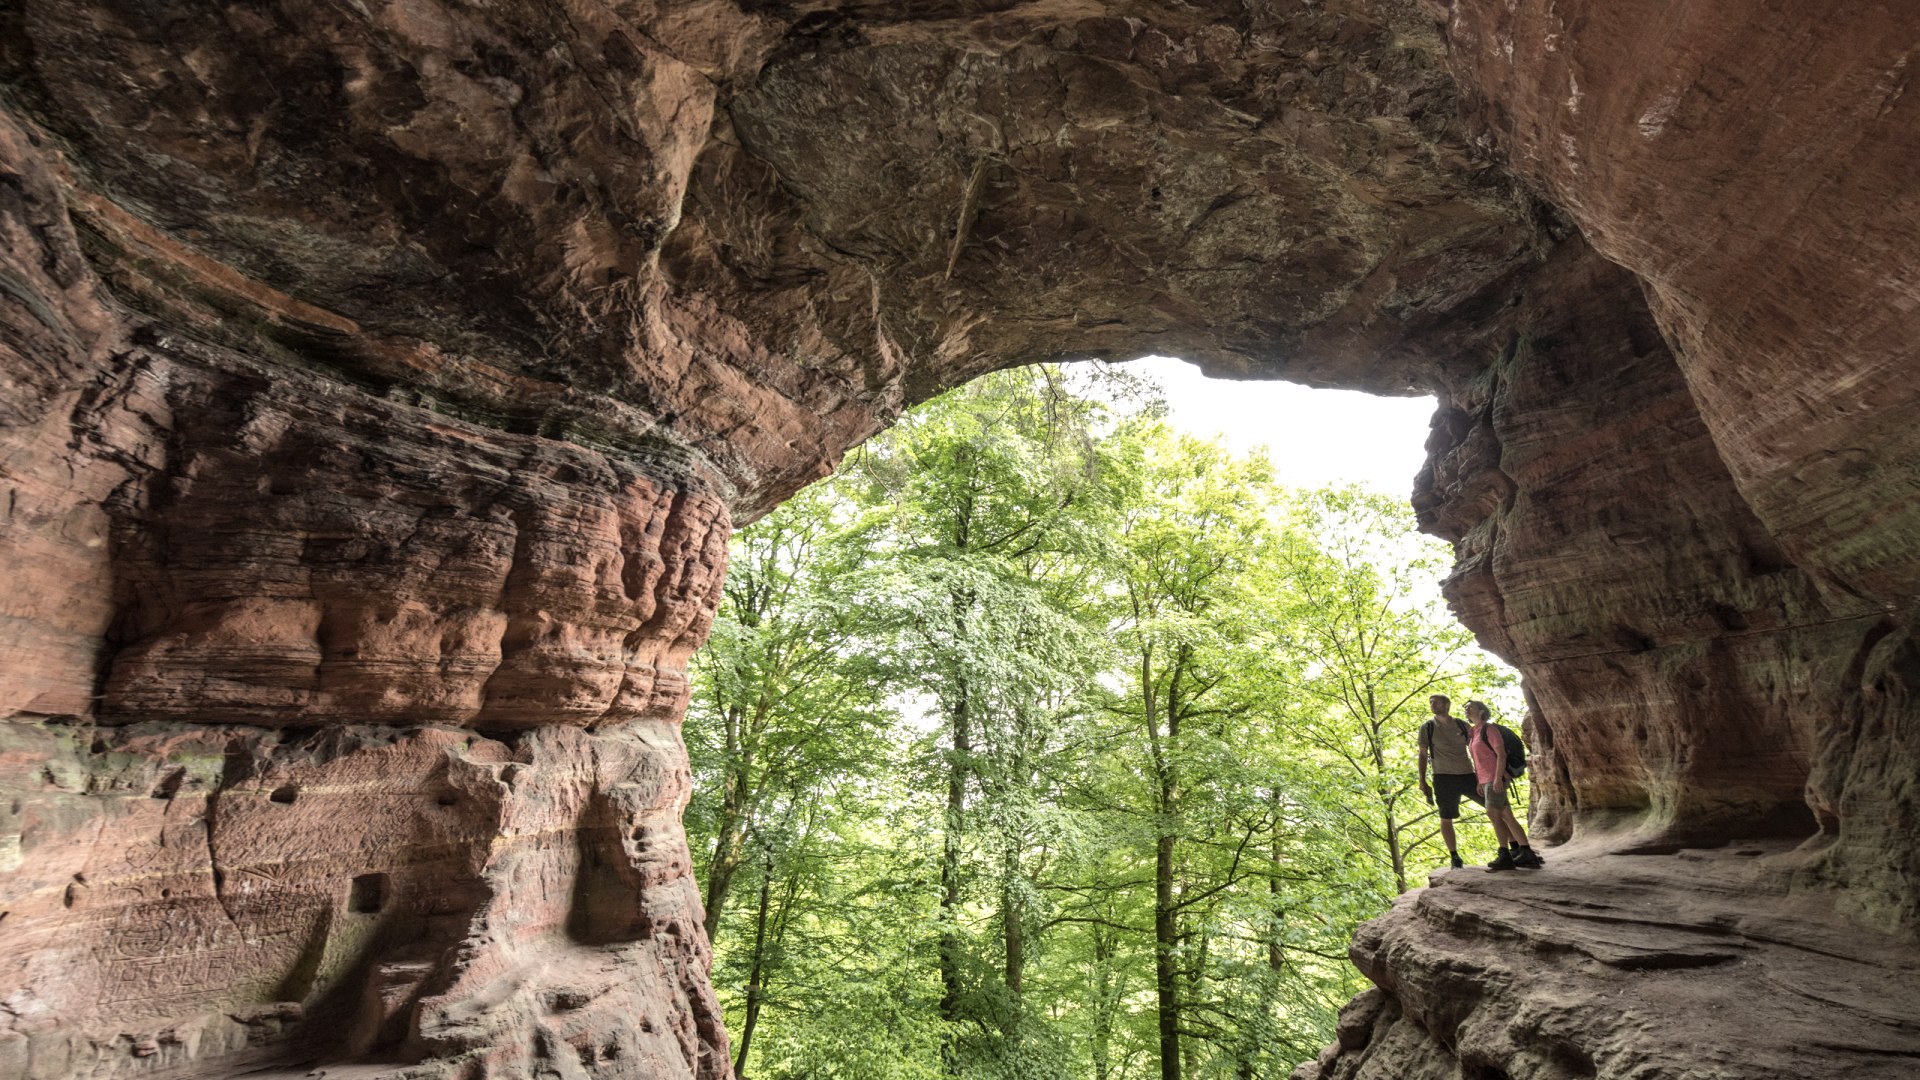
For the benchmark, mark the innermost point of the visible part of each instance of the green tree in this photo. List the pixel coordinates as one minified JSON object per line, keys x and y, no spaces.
{"x":784,"y":702}
{"x":1192,"y":529}
{"x":1363,"y":617}
{"x":988,"y":500}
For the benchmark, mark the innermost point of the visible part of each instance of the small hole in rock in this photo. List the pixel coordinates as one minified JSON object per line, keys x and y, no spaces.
{"x":368,"y":894}
{"x":285,"y":793}
{"x":166,"y":894}
{"x":99,"y":746}
{"x":447,"y":798}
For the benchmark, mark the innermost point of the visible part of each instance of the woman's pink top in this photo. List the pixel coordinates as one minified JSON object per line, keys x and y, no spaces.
{"x":1485,"y":760}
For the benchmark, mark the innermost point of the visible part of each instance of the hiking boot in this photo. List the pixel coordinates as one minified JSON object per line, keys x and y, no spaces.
{"x":1502,"y":861}
{"x":1454,"y":858}
{"x":1529,"y":859}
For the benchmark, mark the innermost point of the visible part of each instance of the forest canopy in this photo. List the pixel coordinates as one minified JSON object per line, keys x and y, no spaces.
{"x":1045,"y":741}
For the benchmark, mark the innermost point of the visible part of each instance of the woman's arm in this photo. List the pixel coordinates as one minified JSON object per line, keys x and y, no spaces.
{"x":1497,"y":744}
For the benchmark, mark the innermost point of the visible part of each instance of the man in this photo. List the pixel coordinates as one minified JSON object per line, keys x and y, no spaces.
{"x":1444,"y":738}
{"x":1489,"y":750}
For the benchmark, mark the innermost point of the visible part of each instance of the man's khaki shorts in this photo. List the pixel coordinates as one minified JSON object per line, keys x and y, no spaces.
{"x":1494,"y":796}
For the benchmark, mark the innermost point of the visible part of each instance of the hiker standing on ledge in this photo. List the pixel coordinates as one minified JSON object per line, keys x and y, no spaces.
{"x":1488,"y":744}
{"x":1444,"y":738}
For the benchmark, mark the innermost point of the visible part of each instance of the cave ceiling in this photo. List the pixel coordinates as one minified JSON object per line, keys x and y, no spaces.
{"x":821,"y":213}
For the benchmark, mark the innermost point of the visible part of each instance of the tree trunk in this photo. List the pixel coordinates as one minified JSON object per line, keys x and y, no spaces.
{"x":727,"y":844}
{"x":1377,"y":748}
{"x":957,"y":767}
{"x":1255,"y":1030}
{"x":1194,"y":989}
{"x":729,"y":840}
{"x":1398,"y":856}
{"x":1011,"y":915}
{"x":1105,"y":1002}
{"x":1276,"y":956}
{"x":1165,"y":973}
{"x":756,"y":994}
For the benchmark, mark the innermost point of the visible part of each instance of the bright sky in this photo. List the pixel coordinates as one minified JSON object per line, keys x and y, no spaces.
{"x":1315,"y":437}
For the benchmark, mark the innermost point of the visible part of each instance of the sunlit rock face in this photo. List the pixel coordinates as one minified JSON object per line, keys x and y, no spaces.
{"x":382,"y":380}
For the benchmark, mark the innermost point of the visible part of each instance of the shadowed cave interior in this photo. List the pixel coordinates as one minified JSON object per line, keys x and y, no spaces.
{"x":383,"y":380}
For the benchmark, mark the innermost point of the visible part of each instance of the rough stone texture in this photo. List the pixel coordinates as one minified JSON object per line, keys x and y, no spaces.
{"x":1700,"y":549}
{"x":380,"y":380}
{"x":1563,"y":471}
{"x":1643,"y":952}
{"x":244,"y":893}
{"x":228,"y":573}
{"x":1754,"y":170}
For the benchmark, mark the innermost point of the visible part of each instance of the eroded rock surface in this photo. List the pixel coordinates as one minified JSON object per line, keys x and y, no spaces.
{"x":1646,"y":953}
{"x":243,"y":895}
{"x":382,"y":379}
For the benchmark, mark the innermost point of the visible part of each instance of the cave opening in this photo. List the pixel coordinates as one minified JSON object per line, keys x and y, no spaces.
{"x":1114,"y":659}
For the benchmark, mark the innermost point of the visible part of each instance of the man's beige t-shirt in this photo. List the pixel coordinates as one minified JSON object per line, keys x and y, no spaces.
{"x":1449,"y":747}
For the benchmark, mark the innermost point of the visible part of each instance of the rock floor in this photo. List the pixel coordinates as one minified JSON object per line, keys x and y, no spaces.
{"x":1688,"y":966}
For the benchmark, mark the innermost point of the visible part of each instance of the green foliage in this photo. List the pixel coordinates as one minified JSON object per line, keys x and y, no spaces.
{"x":1044,"y":742}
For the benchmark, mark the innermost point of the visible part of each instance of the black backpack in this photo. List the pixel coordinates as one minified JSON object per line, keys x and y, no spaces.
{"x":1516,"y":749}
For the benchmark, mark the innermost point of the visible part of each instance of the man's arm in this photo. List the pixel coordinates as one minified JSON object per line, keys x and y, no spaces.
{"x":1498,"y":743}
{"x":1425,"y":789}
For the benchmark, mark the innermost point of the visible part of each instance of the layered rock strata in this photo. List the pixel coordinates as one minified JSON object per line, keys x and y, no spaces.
{"x":381,"y":380}
{"x":259,"y":623}
{"x":1643,"y":951}
{"x":1753,"y":170}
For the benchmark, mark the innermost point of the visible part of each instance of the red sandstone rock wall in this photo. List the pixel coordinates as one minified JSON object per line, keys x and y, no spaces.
{"x":1700,"y":548}
{"x":197,"y":899}
{"x":1755,"y":170}
{"x":380,"y":380}
{"x":1668,"y":680}
{"x":259,"y":622}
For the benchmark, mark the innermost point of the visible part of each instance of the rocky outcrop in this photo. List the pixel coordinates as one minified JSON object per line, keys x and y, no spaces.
{"x":1751,"y":170}
{"x":1643,"y":952}
{"x":1562,"y":470}
{"x":381,"y":380}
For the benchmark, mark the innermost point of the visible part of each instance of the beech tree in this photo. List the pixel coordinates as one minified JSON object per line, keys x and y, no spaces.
{"x":989,"y":500}
{"x":1192,"y":529}
{"x":789,"y":705}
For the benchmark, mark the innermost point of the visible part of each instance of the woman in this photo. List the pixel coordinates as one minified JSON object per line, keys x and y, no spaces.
{"x":1488,"y":747}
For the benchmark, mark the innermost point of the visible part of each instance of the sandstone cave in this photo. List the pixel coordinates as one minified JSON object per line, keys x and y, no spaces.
{"x":383,"y":380}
